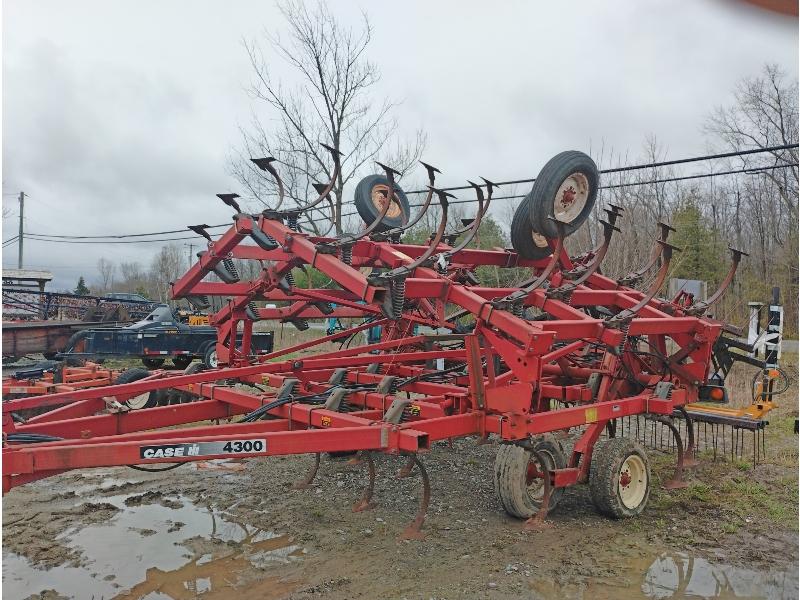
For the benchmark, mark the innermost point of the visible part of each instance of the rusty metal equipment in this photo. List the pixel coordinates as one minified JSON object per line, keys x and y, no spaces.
{"x":54,"y":378}
{"x":39,"y":322}
{"x":553,"y":367}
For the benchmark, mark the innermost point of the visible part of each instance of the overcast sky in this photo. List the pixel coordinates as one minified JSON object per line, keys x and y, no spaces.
{"x":118,"y":117}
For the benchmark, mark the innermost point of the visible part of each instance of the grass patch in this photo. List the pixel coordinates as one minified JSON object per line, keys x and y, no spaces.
{"x":730,"y":527}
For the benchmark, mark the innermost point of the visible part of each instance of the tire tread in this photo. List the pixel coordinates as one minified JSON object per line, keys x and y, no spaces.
{"x":607,"y":458}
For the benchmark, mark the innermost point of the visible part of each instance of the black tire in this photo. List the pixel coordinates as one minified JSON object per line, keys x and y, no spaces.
{"x":571,"y":165}
{"x":369,"y":188}
{"x":527,"y":242}
{"x":185,"y":397}
{"x":511,"y":477}
{"x":182,"y":361}
{"x":142,"y":401}
{"x":153,"y":363}
{"x":210,"y":357}
{"x":612,"y":474}
{"x":162,"y":396}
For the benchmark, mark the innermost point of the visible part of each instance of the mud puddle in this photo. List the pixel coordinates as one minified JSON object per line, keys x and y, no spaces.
{"x":679,"y":576}
{"x":159,"y":547}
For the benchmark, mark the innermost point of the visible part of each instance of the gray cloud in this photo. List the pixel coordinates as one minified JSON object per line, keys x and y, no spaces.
{"x":118,"y":117}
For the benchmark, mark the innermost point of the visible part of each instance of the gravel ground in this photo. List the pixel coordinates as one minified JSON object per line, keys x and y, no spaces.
{"x":239,"y":529}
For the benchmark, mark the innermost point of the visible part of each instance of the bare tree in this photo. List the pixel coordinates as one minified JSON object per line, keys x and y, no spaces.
{"x":167,"y":266}
{"x":331,"y":102}
{"x":764,"y":114}
{"x":106,"y":268}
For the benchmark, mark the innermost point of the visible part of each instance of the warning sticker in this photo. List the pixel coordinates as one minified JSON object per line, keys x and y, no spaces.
{"x":202,"y":449}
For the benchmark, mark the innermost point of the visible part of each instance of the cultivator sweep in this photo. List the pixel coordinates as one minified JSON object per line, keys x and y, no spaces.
{"x":549,"y":366}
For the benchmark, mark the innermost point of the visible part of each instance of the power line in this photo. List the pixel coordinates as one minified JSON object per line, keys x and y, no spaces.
{"x":109,"y":239}
{"x":38,"y":238}
{"x":127,"y":235}
{"x":750,"y":170}
{"x":665,"y":163}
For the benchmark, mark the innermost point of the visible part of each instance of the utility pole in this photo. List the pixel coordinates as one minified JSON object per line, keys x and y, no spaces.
{"x":21,"y":213}
{"x":191,"y":247}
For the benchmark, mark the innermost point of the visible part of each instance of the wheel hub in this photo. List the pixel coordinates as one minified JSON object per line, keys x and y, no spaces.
{"x":380,"y":193}
{"x":539,"y":240}
{"x":571,"y":198}
{"x":534,"y":480}
{"x":632,"y":481}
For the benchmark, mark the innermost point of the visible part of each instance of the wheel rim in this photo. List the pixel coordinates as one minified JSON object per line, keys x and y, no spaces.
{"x":380,"y":193}
{"x":571,"y":198}
{"x":539,"y":240}
{"x":632,"y":485}
{"x":534,"y":479}
{"x":212,"y":360}
{"x":139,"y":401}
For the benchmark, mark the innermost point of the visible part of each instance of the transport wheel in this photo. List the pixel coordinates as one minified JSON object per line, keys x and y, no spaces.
{"x":370,"y":198}
{"x":210,"y":357}
{"x":565,"y":189}
{"x":152,"y":363}
{"x":181,"y":361}
{"x":524,"y":239}
{"x":143,"y":400}
{"x":517,"y":476}
{"x":619,"y":478}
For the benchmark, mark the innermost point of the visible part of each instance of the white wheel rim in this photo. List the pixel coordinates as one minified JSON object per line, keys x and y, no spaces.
{"x":139,"y":401}
{"x":632,"y":483}
{"x":212,"y":360}
{"x":571,"y":198}
{"x":380,"y":193}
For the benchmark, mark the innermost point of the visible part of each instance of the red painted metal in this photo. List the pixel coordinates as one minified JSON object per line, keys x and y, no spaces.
{"x":575,"y":364}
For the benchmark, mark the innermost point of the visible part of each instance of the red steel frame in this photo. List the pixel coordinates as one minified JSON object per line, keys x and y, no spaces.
{"x":522,"y":377}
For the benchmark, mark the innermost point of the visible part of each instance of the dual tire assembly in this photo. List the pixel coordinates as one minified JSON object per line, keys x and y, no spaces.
{"x":565,"y":190}
{"x":619,"y":476}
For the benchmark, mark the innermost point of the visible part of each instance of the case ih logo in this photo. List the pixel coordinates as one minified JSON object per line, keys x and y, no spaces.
{"x":202,"y":449}
{"x":170,"y":451}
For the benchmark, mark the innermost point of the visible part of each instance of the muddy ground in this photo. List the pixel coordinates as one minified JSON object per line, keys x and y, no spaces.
{"x":239,"y":530}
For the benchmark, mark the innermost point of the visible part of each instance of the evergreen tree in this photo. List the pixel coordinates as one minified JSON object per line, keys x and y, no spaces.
{"x":81,"y":288}
{"x":700,"y":256}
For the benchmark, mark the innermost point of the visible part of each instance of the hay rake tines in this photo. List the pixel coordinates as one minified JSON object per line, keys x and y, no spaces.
{"x":565,"y":371}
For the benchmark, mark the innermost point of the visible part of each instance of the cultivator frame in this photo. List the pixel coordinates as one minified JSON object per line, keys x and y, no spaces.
{"x":567,"y":351}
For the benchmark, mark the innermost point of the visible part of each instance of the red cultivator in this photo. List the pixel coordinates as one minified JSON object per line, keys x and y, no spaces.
{"x":547,"y":365}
